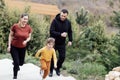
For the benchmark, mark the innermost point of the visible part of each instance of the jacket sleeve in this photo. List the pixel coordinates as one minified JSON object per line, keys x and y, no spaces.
{"x":38,"y":53}
{"x":53,"y":32}
{"x":54,"y":57}
{"x":70,"y":32}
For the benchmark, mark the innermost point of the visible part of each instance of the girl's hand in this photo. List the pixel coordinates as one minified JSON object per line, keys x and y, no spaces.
{"x":55,"y":66}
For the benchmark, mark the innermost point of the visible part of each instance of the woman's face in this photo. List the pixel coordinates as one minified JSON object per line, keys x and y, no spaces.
{"x":24,"y":20}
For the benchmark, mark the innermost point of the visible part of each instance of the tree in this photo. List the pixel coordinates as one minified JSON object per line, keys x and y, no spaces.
{"x":116,"y":18}
{"x":82,"y":17}
{"x":2,"y":7}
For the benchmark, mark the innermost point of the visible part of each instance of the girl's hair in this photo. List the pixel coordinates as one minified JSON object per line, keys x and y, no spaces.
{"x":24,"y":14}
{"x":50,"y":40}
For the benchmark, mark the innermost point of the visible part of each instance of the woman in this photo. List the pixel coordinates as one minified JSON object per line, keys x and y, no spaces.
{"x":20,"y":34}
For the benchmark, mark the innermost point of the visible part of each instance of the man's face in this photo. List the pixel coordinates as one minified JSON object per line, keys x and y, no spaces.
{"x":63,"y":16}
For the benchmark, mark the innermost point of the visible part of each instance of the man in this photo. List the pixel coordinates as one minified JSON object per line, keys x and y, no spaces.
{"x":60,"y":28}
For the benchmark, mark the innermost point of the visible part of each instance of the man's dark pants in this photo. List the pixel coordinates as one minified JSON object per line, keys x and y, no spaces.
{"x":61,"y":57}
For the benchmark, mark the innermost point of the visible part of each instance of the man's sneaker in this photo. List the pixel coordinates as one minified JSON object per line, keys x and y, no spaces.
{"x":19,"y":69}
{"x":15,"y":77}
{"x":50,"y":74}
{"x":57,"y":72}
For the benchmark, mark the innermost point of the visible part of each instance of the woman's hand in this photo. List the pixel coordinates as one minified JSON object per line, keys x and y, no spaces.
{"x":24,"y":42}
{"x":8,"y":49}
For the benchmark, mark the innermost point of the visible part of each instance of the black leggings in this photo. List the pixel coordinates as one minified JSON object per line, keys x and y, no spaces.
{"x":18,"y":56}
{"x":61,"y":57}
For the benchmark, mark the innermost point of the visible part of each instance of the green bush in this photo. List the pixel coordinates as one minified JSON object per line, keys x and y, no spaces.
{"x":82,"y":17}
{"x":115,"y":19}
{"x":39,"y":24}
{"x":116,"y":41}
{"x":85,"y":71}
{"x":91,"y":69}
{"x":31,"y":59}
{"x":94,"y":46}
{"x":111,"y":3}
{"x":40,"y":33}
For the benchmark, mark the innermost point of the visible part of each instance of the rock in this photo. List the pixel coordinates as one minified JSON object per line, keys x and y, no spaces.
{"x":114,"y":74}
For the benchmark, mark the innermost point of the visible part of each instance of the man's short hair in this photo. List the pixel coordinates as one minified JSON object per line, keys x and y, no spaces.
{"x":64,"y":11}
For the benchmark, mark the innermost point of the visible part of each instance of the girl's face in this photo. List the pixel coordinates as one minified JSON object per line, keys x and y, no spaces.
{"x":24,"y":20}
{"x":50,"y":45}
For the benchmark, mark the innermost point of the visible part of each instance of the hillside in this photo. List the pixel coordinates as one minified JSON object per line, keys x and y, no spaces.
{"x":94,"y":6}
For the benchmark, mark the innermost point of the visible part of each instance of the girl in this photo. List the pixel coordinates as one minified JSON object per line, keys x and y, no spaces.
{"x":46,"y":54}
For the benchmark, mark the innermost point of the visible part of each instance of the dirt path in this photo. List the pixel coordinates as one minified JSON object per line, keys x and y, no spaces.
{"x":27,"y":72}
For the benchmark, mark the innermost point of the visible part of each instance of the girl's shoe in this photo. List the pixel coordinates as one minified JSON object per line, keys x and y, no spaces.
{"x":50,"y":74}
{"x":43,"y":79}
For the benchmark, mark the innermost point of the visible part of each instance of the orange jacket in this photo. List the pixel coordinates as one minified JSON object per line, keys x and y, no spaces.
{"x":46,"y":54}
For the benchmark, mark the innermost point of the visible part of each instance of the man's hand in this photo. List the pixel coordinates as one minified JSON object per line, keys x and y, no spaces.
{"x":69,"y":43}
{"x":64,"y":34}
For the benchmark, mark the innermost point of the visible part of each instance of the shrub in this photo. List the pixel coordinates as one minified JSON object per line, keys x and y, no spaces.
{"x":115,"y":20}
{"x":40,"y":32}
{"x":39,"y":24}
{"x":94,"y":46}
{"x":85,"y":71}
{"x":91,"y":69}
{"x":82,"y":17}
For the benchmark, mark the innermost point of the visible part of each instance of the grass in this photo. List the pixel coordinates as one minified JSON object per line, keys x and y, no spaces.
{"x":28,"y":59}
{"x":85,"y":71}
{"x":3,"y":56}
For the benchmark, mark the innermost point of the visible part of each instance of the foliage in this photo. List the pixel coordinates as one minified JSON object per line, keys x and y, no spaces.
{"x":111,"y":3}
{"x":40,"y":32}
{"x":116,"y":41}
{"x":115,"y":20}
{"x":2,"y":4}
{"x":31,"y":59}
{"x":38,"y":23}
{"x":85,"y":71}
{"x":94,"y":46}
{"x":91,"y":69}
{"x":2,"y":29}
{"x":82,"y":17}
{"x":92,"y":52}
